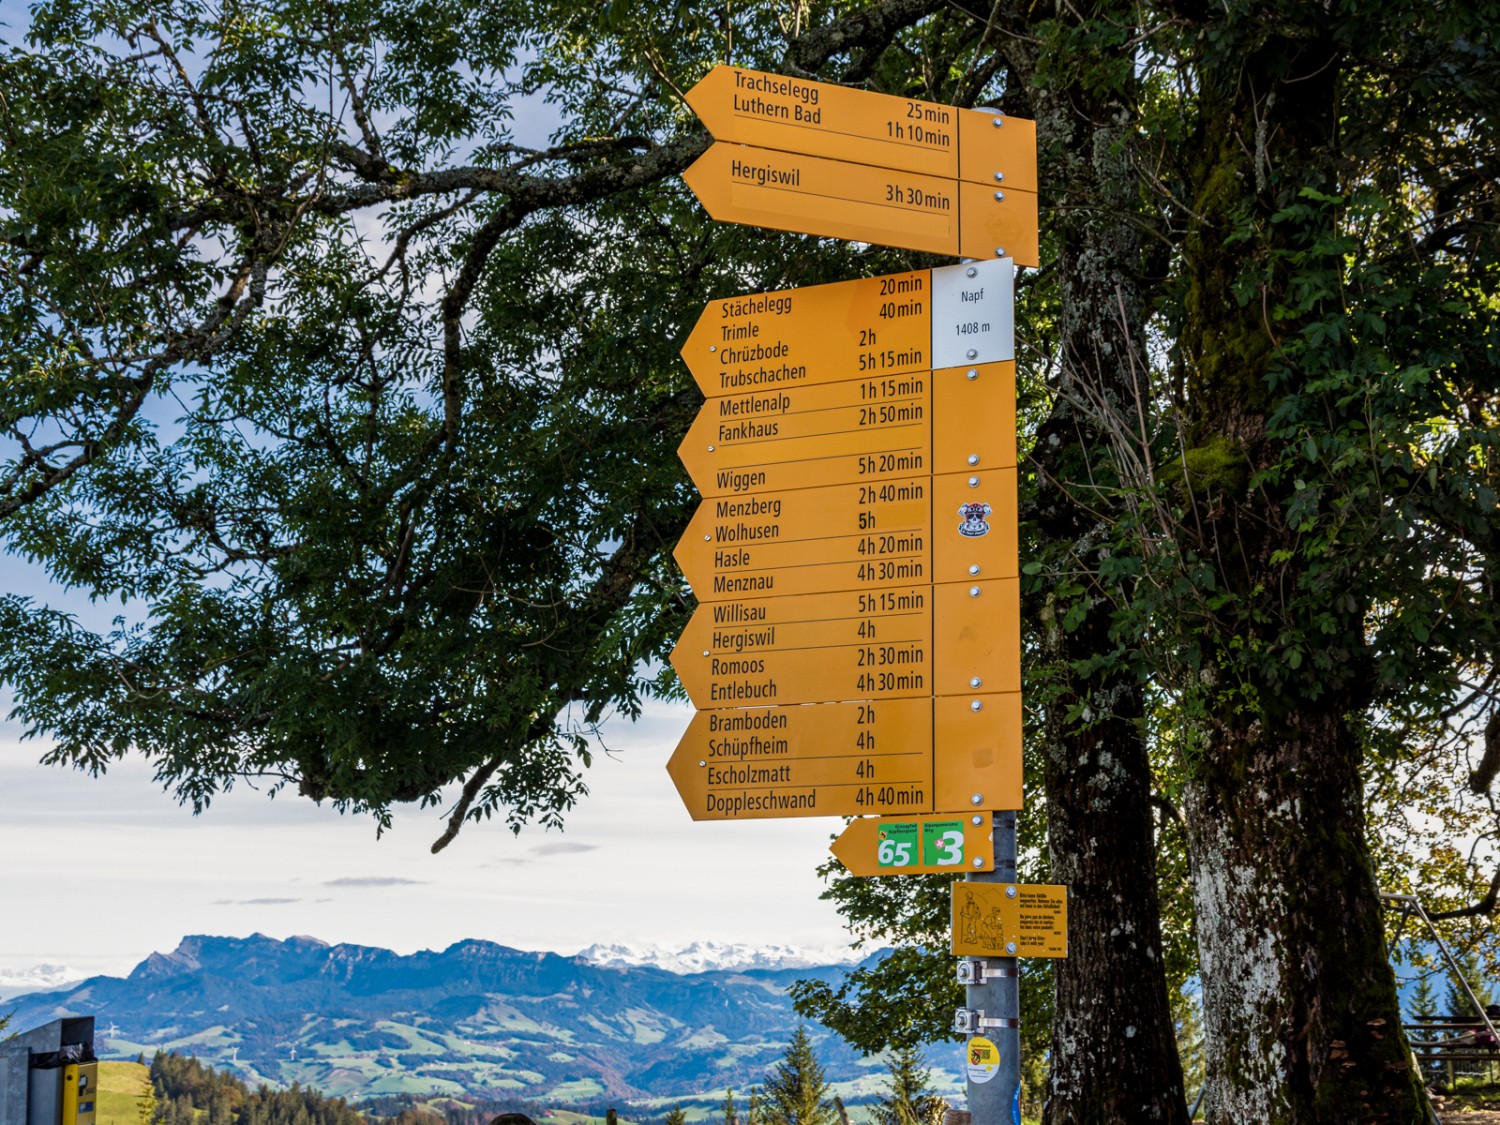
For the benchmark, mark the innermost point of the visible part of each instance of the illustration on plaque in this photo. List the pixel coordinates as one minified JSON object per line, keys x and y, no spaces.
{"x":974,"y":524}
{"x":970,"y":917}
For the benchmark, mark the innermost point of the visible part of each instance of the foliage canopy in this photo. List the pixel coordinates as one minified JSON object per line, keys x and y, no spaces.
{"x":340,"y":348}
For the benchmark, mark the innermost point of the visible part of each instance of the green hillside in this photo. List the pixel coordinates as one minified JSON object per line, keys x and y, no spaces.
{"x":123,"y":1086}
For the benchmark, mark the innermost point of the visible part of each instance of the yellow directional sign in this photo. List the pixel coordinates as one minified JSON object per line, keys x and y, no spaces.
{"x":793,"y":115}
{"x":902,"y":531}
{"x":766,"y":342}
{"x":851,"y":759}
{"x":812,"y":436}
{"x":846,"y":537}
{"x":834,"y":759}
{"x":884,"y":644}
{"x":1010,"y":920}
{"x":826,"y":673}
{"x":861,"y":429}
{"x":871,"y":328}
{"x":976,"y":761}
{"x":897,"y":845}
{"x":835,"y":199}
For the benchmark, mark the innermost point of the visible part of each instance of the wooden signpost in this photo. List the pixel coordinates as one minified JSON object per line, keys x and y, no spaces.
{"x":856,"y":649}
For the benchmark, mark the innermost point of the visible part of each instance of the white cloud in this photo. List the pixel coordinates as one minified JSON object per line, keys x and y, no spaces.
{"x":563,"y":847}
{"x":112,"y":869}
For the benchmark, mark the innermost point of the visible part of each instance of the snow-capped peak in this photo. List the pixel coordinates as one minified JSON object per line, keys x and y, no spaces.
{"x":705,"y":956}
{"x":37,"y":978}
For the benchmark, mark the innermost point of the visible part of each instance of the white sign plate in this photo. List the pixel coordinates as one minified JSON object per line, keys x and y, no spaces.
{"x":973,"y":313}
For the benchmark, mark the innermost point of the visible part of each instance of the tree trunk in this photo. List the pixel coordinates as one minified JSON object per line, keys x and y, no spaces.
{"x":1301,"y":1017}
{"x":1300,"y":1013}
{"x":1114,"y":1052}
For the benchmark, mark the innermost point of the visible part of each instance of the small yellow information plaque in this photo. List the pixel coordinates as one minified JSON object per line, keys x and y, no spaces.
{"x":1010,"y":920}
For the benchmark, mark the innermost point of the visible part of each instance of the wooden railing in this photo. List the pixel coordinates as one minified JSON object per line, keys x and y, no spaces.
{"x":1451,"y":1047}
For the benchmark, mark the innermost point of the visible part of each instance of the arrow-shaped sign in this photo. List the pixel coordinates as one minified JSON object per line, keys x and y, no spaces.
{"x":952,"y":639}
{"x":948,"y":421}
{"x":870,"y":328}
{"x":851,"y":759}
{"x":951,"y":528}
{"x":766,"y":342}
{"x":831,"y":760}
{"x":945,"y":843}
{"x":818,"y":118}
{"x":835,"y":199}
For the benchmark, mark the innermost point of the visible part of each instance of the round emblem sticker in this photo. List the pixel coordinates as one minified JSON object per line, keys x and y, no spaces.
{"x":982,"y":1058}
{"x":975,"y":524}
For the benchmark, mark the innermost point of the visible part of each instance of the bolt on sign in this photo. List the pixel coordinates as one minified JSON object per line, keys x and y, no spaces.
{"x":1010,"y":920}
{"x":828,"y":160}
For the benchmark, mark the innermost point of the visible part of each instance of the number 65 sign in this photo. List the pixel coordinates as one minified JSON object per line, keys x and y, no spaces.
{"x":897,"y":845}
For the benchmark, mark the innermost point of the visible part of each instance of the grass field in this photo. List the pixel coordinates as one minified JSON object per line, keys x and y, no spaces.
{"x":568,"y":1117}
{"x":122,"y":1086}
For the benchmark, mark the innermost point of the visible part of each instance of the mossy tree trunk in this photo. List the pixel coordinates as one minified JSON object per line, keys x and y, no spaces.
{"x":1114,"y":1054}
{"x":1300,"y":1009}
{"x":1301,"y":1015}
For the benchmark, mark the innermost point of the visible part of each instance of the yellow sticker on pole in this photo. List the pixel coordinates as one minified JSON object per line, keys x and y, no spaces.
{"x":981,"y":1059}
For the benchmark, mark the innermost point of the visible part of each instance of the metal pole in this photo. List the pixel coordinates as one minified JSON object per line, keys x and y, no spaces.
{"x":997,"y":1101}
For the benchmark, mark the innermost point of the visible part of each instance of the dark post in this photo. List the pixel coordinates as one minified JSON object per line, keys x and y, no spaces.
{"x":997,"y":1000}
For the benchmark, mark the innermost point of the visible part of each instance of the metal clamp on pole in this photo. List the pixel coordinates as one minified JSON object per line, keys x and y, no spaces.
{"x":971,"y":1021}
{"x":976,"y":970}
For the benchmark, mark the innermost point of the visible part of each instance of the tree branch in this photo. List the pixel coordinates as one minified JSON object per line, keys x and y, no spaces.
{"x":1486,"y":905}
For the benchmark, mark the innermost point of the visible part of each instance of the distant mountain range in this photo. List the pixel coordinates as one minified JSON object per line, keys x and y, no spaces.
{"x":476,"y":1018}
{"x":13,"y":982}
{"x":706,"y":956}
